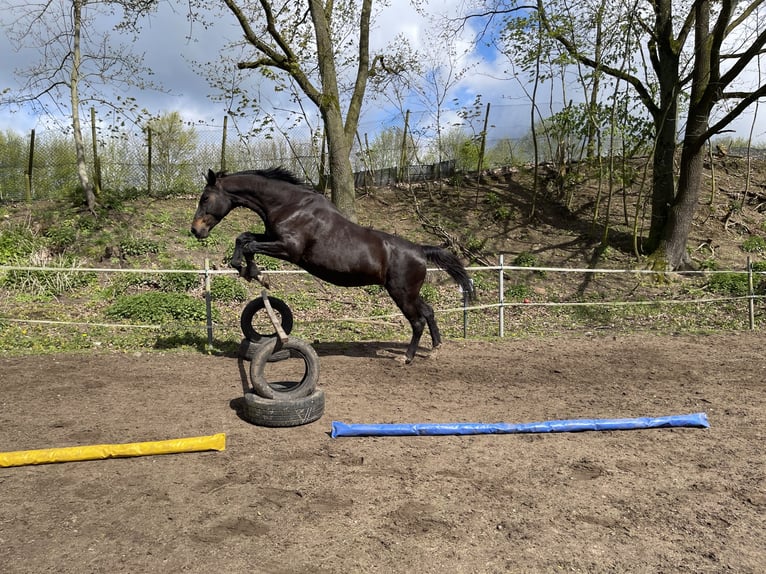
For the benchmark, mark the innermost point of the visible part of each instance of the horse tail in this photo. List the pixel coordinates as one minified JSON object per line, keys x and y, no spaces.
{"x":452,"y":265}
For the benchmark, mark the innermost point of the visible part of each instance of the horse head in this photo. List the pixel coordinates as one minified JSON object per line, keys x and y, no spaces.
{"x":214,"y":205}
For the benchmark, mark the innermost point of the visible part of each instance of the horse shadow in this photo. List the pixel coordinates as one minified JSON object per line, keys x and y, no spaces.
{"x":361,"y":349}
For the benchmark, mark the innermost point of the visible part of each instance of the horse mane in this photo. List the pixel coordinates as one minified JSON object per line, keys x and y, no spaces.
{"x":279,"y":173}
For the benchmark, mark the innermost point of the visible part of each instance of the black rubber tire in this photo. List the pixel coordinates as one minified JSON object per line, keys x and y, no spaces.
{"x":246,"y":319}
{"x":286,"y":390}
{"x":248,"y":348}
{"x":283,"y":413}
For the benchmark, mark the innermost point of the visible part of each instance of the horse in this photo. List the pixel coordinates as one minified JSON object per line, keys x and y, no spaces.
{"x":304,"y":228}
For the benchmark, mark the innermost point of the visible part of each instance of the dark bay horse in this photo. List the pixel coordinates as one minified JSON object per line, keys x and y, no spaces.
{"x":304,"y":228}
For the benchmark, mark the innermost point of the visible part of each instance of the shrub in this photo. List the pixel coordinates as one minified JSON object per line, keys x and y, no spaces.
{"x":16,"y":243}
{"x":754,"y":244}
{"x":158,"y":307}
{"x":180,"y":282}
{"x":50,"y":283}
{"x":227,"y":289}
{"x":734,"y":284}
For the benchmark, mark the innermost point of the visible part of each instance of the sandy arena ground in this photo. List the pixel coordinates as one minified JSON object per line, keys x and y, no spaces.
{"x":295,"y":500}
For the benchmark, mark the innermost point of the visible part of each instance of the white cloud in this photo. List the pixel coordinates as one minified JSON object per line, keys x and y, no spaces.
{"x":176,"y":60}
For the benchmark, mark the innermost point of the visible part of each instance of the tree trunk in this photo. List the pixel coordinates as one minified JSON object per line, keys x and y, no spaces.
{"x":343,"y":192}
{"x":82,"y":169}
{"x":681,"y":213}
{"x":663,"y":183}
{"x":701,"y":100}
{"x":338,"y":140}
{"x":665,"y":116}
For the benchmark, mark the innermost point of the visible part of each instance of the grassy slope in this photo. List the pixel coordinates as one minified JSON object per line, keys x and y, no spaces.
{"x":485,"y":219}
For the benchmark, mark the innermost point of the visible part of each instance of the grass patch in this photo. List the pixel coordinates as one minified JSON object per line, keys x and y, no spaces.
{"x":158,"y":307}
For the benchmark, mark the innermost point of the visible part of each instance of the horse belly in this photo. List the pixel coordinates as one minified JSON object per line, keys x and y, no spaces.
{"x":351,"y":277}
{"x":347,"y":263}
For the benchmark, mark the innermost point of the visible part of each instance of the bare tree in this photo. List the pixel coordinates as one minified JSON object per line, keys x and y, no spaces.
{"x":75,"y":63}
{"x":318,"y":46}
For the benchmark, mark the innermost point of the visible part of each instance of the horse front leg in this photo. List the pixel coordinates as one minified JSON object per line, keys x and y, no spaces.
{"x":245,"y":246}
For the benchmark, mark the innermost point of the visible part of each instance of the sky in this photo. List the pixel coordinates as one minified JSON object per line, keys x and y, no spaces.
{"x":176,"y":61}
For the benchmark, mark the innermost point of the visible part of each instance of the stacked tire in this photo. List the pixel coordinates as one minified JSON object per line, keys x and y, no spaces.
{"x":284,"y":403}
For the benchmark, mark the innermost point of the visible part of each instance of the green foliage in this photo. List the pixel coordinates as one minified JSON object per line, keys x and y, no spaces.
{"x":227,"y":289}
{"x":16,"y":244}
{"x":158,"y":307}
{"x":734,"y":284}
{"x":215,"y":239}
{"x":754,"y":244}
{"x":429,"y":293}
{"x":136,"y":246}
{"x":302,"y":301}
{"x":502,"y":214}
{"x":173,"y":143}
{"x":62,"y":236}
{"x":373,"y":289}
{"x":180,"y":282}
{"x":483,"y":281}
{"x":49,"y":283}
{"x":267,"y":263}
{"x":525,"y":259}
{"x":517,"y":292}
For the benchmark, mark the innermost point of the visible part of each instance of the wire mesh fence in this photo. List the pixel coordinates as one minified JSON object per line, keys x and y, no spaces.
{"x":171,"y":157}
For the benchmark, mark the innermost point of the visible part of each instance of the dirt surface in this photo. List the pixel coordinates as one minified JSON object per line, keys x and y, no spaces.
{"x":296,"y":500}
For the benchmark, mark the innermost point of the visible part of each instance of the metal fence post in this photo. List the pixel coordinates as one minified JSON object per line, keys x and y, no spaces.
{"x":208,"y":306}
{"x":501,"y":298}
{"x":750,"y":293}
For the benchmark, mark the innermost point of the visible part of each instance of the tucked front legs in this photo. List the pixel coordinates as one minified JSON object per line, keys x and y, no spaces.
{"x":243,"y":247}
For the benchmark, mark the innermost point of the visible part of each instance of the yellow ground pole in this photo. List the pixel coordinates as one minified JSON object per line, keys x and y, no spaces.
{"x":101,"y":451}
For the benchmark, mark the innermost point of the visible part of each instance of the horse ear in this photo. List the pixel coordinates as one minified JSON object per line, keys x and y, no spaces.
{"x":210,"y":177}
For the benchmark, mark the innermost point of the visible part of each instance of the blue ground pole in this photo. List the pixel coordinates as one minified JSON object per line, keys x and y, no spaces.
{"x":696,"y":420}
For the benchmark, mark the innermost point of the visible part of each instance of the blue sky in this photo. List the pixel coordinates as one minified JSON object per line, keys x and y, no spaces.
{"x":175,"y":60}
{"x":164,"y":41}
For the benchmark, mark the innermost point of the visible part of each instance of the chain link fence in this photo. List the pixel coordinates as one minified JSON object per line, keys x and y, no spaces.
{"x":172,"y":159}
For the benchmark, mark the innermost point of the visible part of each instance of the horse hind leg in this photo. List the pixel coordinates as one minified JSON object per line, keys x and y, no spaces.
{"x":422,"y":314}
{"x":412,"y":311}
{"x":418,"y":323}
{"x":428,"y":313}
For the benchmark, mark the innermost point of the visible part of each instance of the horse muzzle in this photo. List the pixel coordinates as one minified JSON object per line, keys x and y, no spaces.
{"x":199,"y":229}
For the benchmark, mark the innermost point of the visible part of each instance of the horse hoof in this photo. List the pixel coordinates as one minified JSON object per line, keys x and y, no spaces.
{"x":434,"y":353}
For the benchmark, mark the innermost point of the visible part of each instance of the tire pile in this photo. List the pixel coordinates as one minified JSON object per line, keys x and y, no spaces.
{"x":278,"y":404}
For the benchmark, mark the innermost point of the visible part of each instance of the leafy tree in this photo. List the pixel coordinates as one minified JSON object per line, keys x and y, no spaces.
{"x":173,"y":144}
{"x":692,"y":56}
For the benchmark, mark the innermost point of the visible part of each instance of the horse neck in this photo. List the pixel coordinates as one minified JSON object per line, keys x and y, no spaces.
{"x":255,"y":197}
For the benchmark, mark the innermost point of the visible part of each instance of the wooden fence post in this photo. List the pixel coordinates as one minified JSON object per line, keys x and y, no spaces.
{"x":28,"y":196}
{"x":96,"y":160}
{"x":223,"y":143}
{"x":403,"y":155}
